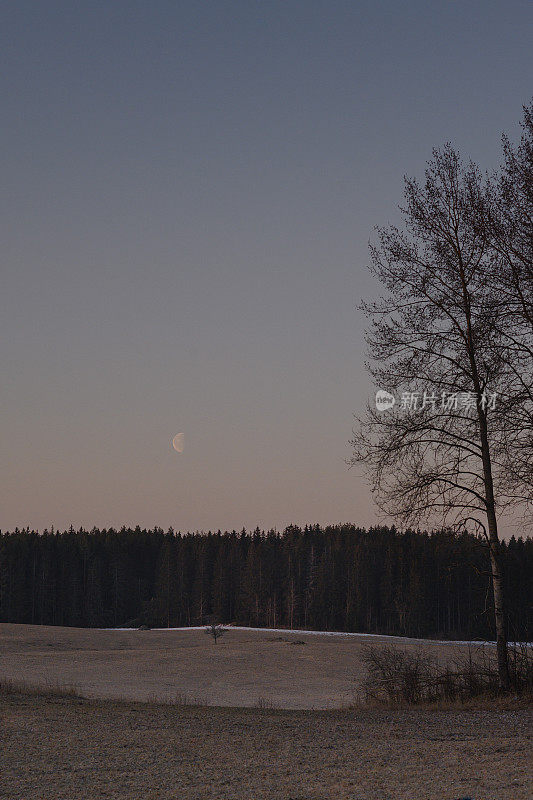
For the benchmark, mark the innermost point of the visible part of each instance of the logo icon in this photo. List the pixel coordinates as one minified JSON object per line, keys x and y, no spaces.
{"x":384,"y":400}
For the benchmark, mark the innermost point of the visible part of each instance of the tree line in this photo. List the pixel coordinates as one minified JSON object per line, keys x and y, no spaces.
{"x":342,"y":577}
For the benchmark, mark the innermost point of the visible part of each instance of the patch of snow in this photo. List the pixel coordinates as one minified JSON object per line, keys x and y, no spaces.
{"x":346,"y":634}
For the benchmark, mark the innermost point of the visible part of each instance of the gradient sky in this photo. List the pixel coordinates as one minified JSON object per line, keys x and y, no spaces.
{"x":188,"y":193}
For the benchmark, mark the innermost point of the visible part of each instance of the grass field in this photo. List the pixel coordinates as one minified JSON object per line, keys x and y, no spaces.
{"x":67,"y":749}
{"x":286,"y":670}
{"x":58,"y":746}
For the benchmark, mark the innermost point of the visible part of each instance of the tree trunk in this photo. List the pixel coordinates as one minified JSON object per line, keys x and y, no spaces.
{"x":496,"y":564}
{"x":494,"y":542}
{"x":499,"y":606}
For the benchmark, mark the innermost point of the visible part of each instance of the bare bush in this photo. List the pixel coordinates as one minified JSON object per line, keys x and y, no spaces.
{"x":521,"y":667}
{"x":401,"y":677}
{"x":264,"y":703}
{"x":396,"y":676}
{"x":47,"y":690}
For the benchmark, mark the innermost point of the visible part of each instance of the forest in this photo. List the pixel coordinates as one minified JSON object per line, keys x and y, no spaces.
{"x":342,"y":577}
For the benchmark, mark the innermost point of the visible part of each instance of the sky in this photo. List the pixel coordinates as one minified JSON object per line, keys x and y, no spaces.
{"x":189,"y":189}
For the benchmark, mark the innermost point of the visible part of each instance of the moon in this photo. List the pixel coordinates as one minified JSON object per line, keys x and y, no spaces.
{"x":177,"y":442}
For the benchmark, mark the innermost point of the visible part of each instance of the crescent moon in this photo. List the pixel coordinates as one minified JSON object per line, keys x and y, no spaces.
{"x":177,"y":442}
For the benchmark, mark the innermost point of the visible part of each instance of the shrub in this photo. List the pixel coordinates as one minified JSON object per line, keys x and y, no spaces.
{"x":399,"y":677}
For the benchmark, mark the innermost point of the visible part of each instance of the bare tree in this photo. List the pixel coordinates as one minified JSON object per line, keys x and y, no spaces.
{"x":512,"y":224}
{"x":437,"y":345}
{"x":507,"y":222}
{"x":215,"y":630}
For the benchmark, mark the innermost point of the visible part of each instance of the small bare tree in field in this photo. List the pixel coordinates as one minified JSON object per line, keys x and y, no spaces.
{"x":215,"y":630}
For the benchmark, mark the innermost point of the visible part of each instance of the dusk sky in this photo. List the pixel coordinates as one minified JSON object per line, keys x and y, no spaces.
{"x":189,"y":189}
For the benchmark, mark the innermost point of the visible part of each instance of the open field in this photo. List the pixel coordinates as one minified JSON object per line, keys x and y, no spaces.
{"x":70,"y":749}
{"x":63,"y":747}
{"x":285,"y":670}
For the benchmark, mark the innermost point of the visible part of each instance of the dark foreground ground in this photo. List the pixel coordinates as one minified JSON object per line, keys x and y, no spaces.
{"x":66,"y":748}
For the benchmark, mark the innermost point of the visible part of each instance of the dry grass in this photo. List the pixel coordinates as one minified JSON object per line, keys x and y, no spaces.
{"x":46,"y":690}
{"x":294,"y":671}
{"x":63,"y":747}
